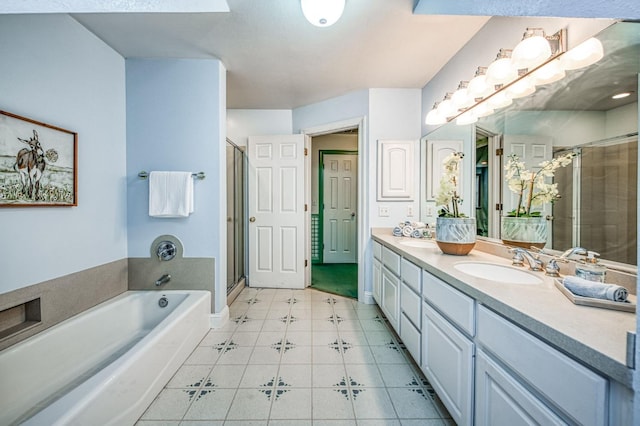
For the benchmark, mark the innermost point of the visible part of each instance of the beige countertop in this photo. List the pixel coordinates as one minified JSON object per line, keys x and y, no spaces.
{"x":596,"y":337}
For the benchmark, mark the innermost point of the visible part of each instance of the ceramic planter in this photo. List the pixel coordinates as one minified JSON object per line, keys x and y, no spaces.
{"x":524,"y":231}
{"x":456,"y":235}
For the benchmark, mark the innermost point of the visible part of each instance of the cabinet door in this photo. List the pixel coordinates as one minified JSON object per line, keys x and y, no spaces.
{"x":396,"y":170}
{"x":502,"y":400}
{"x":377,"y":281}
{"x":390,"y":299}
{"x":447,"y":361}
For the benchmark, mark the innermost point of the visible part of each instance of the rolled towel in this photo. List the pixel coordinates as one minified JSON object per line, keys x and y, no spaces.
{"x":581,"y":287}
{"x":397,"y":231}
{"x":418,"y":225}
{"x":407,"y":230}
{"x":417,"y":233}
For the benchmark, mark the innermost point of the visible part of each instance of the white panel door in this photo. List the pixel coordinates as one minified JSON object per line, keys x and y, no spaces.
{"x":340,"y":199}
{"x":276,"y":211}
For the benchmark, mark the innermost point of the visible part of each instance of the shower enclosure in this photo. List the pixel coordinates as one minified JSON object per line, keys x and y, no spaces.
{"x":235,"y":220}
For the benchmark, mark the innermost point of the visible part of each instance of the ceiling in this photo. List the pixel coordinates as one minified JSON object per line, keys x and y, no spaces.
{"x":275,"y":59}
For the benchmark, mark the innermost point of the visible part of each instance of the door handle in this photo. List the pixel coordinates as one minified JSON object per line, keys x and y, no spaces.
{"x":252,"y":219}
{"x":353,"y":214}
{"x":549,"y":217}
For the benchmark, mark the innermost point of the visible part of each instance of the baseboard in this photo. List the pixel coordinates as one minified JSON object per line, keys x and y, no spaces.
{"x":368,"y":299}
{"x":220,"y":319}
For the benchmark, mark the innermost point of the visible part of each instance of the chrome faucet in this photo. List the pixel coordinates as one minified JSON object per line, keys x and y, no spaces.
{"x":163,"y":279}
{"x":574,"y":250}
{"x":519,"y":256}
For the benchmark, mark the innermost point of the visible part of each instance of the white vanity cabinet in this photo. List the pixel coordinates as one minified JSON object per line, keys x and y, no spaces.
{"x":410,"y":308}
{"x":377,"y":272}
{"x":447,"y":346}
{"x":390,"y":287}
{"x":566,"y":387}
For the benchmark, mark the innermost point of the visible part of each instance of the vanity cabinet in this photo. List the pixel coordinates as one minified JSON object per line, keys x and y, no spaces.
{"x":447,"y":346}
{"x":410,"y":308}
{"x":502,"y":400}
{"x":377,"y":272}
{"x":573,"y":391}
{"x":390,"y":287}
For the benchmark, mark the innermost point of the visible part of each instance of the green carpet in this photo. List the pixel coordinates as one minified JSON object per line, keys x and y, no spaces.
{"x":336,"y":278}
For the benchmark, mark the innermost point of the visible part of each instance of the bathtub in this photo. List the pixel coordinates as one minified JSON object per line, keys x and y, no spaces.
{"x":105,"y":365}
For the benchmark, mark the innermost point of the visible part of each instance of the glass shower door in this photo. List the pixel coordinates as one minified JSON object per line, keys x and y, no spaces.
{"x":235,"y":218}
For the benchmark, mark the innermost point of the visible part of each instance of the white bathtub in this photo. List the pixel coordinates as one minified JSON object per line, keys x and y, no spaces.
{"x":103,"y":366}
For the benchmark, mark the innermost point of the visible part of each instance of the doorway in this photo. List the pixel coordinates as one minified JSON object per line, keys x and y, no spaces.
{"x":235,"y":220}
{"x":334,"y":201}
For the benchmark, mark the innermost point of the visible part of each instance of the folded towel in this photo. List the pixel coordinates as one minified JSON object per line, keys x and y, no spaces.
{"x":407,"y":230}
{"x":417,"y":233}
{"x":581,"y":287}
{"x":397,"y":231}
{"x":170,"y":194}
{"x":418,"y":225}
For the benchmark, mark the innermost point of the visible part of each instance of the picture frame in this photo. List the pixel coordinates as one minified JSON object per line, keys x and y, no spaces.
{"x":38,"y":163}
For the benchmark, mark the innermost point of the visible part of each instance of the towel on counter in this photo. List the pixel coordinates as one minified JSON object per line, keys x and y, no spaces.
{"x":397,"y":231}
{"x":417,"y":233}
{"x":407,"y":230}
{"x":170,"y":194}
{"x":581,"y":287}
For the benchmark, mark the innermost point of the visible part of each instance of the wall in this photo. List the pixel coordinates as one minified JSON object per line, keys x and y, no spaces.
{"x":242,"y":123}
{"x":175,"y":121}
{"x":55,"y":71}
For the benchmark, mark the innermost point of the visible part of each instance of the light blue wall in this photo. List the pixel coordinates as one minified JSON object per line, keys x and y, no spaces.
{"x":54,"y":71}
{"x":176,"y":121}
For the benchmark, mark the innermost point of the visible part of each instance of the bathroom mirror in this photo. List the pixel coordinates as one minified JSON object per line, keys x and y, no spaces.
{"x":598,"y":208}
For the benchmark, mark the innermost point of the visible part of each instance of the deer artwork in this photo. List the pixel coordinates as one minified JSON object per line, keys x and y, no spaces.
{"x":30,"y":164}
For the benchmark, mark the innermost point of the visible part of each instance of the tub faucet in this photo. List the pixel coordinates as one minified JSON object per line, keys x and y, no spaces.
{"x":520,"y":254}
{"x":163,"y":279}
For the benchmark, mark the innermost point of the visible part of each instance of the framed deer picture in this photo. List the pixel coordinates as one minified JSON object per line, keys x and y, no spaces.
{"x":38,"y":163}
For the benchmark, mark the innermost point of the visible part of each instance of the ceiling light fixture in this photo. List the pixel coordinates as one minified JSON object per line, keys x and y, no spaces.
{"x":322,"y":13}
{"x":621,"y":95}
{"x":583,"y":55}
{"x":502,"y":71}
{"x":434,"y":118}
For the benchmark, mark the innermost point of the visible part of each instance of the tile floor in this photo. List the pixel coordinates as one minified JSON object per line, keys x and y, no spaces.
{"x":298,"y":357}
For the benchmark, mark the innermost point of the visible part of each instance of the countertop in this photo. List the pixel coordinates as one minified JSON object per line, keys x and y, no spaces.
{"x":593,"y":336}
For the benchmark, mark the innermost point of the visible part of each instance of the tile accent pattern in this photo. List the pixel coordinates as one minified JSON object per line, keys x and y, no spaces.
{"x":331,"y":360}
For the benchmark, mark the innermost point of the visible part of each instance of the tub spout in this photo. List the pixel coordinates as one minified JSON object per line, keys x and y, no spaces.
{"x":163,"y":279}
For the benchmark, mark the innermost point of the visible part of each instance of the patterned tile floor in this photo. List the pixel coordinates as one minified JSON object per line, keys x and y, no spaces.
{"x":298,"y":357}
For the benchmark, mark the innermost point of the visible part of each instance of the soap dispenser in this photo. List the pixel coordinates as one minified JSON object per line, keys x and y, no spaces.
{"x":590,"y":269}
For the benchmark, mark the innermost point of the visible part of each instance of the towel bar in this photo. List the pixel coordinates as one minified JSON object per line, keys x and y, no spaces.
{"x":200,"y":175}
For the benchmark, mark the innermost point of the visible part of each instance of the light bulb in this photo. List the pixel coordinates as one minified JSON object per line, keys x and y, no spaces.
{"x":482,"y":109}
{"x":532,"y":50}
{"x":521,"y":88}
{"x":322,"y":13}
{"x":467,"y":117}
{"x":499,"y":100}
{"x":583,"y":55}
{"x":461,"y":98}
{"x":434,"y":118}
{"x":502,"y":71}
{"x":478,"y":87}
{"x":446,"y":107}
{"x":550,"y":72}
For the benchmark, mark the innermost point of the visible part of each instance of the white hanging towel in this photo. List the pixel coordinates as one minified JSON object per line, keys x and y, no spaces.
{"x":170,"y":194}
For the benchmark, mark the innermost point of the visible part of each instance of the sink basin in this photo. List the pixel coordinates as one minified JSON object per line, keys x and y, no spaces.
{"x":418,"y":243}
{"x":499,"y":273}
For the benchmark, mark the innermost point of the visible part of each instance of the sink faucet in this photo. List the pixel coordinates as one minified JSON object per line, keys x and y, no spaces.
{"x":520,"y":254}
{"x":163,"y":279}
{"x":574,"y":250}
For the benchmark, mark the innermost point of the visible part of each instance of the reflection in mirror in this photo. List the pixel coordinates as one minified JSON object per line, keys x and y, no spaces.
{"x":599,"y":191}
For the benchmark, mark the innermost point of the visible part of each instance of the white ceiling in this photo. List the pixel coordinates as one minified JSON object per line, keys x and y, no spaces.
{"x":275,"y":59}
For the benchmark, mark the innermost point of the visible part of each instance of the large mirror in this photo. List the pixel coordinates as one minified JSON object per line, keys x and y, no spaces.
{"x":598,"y":204}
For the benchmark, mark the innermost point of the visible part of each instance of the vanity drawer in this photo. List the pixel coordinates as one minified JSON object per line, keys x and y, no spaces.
{"x":411,"y":274}
{"x":458,"y":307}
{"x":410,"y":337}
{"x":575,"y":390}
{"x":377,"y":250}
{"x":410,"y":304}
{"x":391,"y":260}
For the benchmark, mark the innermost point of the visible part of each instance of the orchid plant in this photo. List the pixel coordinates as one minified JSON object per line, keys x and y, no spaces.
{"x":448,"y":197}
{"x":531,"y":187}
